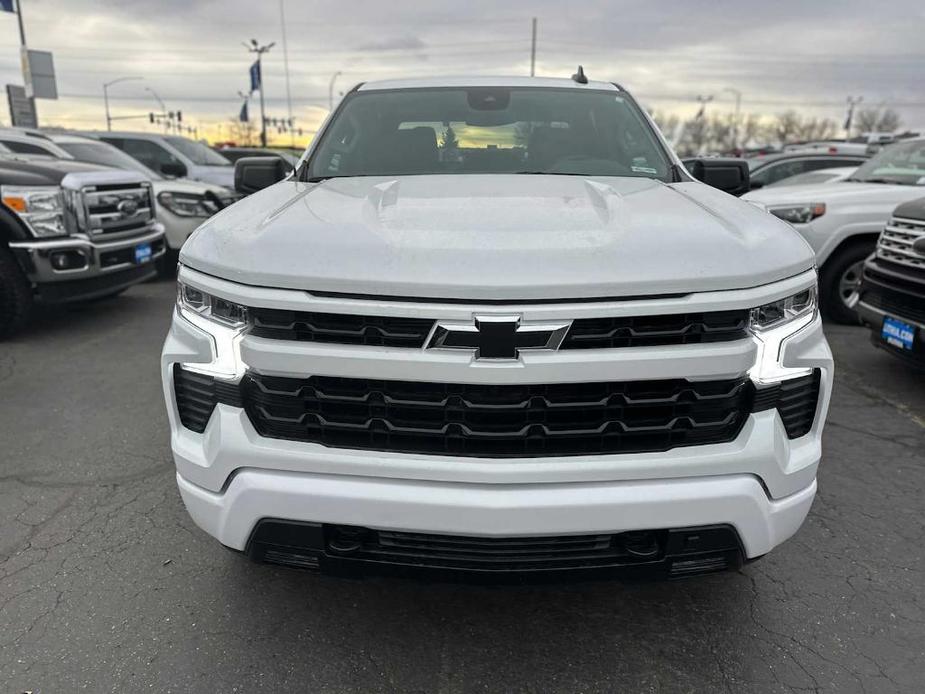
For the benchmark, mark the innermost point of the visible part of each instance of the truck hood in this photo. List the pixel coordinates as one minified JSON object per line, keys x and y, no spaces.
{"x":497,"y":237}
{"x":840,"y":192}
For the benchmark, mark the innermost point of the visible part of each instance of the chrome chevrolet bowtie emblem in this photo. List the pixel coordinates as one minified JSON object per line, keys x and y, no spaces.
{"x":498,"y":337}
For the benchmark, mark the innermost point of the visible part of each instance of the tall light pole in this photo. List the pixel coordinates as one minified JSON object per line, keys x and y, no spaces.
{"x":282,"y":23}
{"x":331,"y":90}
{"x":735,"y":123}
{"x":533,"y":50}
{"x":106,"y":86}
{"x":255,"y":47}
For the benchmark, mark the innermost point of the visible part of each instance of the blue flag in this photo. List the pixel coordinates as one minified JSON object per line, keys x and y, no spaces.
{"x":255,"y":76}
{"x":7,"y":5}
{"x":243,"y":115}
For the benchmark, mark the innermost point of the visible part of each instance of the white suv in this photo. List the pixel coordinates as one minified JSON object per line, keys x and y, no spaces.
{"x":842,"y":220}
{"x":491,"y":325}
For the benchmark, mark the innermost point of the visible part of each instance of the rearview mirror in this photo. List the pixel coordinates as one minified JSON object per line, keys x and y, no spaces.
{"x":727,"y":174}
{"x":256,"y":173}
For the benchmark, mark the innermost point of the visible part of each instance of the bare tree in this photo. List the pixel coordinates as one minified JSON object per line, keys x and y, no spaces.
{"x":877,"y":120}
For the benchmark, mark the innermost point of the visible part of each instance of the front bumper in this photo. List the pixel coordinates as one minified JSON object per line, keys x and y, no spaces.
{"x":107,"y":266}
{"x":761,"y":484}
{"x":899,"y":293}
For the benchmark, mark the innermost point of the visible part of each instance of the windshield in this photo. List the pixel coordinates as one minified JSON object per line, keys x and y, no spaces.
{"x":903,"y":163}
{"x":197,"y":152}
{"x":489,"y":130}
{"x":107,"y":155}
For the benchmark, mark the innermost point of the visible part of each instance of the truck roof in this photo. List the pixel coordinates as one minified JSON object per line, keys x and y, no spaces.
{"x":485,"y":81}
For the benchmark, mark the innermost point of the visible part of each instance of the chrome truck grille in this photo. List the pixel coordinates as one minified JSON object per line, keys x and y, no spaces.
{"x":117,"y":208}
{"x":895,"y":243}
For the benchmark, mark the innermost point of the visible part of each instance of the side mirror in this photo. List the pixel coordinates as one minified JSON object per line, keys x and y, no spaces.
{"x":173,"y":169}
{"x":256,"y":173}
{"x":729,"y":175}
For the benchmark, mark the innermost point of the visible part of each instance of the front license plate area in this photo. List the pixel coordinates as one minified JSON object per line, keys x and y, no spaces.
{"x":143,"y":253}
{"x":897,"y":333}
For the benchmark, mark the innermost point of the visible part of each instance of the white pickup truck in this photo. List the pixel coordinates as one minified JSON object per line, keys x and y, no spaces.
{"x":842,"y":220}
{"x":491,"y":325}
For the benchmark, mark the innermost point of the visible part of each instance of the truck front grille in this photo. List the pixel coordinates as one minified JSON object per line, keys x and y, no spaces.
{"x":121,"y":208}
{"x":895,"y":242}
{"x":585,"y":333}
{"x":497,"y":420}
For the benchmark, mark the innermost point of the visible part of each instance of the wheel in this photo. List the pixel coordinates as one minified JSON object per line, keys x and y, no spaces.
{"x":15,"y":295}
{"x":840,"y":282}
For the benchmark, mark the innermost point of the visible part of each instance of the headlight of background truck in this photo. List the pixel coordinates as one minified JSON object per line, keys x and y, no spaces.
{"x":187,"y":204}
{"x":798,"y":214}
{"x":40,"y":207}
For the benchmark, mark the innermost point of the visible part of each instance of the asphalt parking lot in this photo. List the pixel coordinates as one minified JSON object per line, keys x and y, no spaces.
{"x":106,"y":584}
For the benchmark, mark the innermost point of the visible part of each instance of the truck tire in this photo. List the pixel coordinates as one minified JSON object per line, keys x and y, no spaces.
{"x":15,"y":295}
{"x":840,"y":280}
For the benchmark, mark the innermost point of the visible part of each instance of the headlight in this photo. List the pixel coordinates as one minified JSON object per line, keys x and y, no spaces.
{"x":798,"y":214}
{"x":770,"y":325}
{"x":187,"y":204}
{"x":211,"y":307}
{"x":224,"y":321}
{"x":40,"y":207}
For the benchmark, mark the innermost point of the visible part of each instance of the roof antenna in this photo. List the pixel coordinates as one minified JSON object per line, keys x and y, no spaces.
{"x":580,"y":76}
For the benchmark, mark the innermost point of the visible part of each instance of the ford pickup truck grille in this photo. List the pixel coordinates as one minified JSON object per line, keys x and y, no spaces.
{"x":585,"y":333}
{"x":117,"y":208}
{"x":895,"y":242}
{"x":497,"y":420}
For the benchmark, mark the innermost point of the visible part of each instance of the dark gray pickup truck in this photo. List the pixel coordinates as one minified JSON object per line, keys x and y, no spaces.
{"x":70,"y":232}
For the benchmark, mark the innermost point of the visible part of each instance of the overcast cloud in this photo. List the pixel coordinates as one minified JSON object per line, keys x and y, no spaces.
{"x":785,"y":54}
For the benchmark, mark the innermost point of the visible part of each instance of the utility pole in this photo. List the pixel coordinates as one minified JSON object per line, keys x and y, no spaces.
{"x":282,"y":23}
{"x":533,"y":51}
{"x":255,"y":47}
{"x":331,"y":90}
{"x":106,"y":86}
{"x":852,"y":103}
{"x":735,"y":123}
{"x":24,"y":52}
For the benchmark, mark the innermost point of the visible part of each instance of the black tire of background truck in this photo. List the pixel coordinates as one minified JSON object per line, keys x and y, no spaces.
{"x":845,"y":263}
{"x":167,"y":264}
{"x":15,"y":295}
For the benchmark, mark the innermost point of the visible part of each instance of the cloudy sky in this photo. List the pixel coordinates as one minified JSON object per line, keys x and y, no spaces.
{"x":801,"y":54}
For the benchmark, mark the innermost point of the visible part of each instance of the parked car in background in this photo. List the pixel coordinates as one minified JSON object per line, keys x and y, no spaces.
{"x":842,"y":221}
{"x":181,"y":204}
{"x":829,"y":147}
{"x":71,"y":231}
{"x":774,"y":168}
{"x":29,"y":142}
{"x":892,"y":294}
{"x":841,"y":173}
{"x":566,"y":355}
{"x":235,"y":153}
{"x":172,"y":156}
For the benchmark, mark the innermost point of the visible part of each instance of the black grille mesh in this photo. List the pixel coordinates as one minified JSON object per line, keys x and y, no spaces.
{"x":497,"y":421}
{"x":197,"y":395}
{"x":344,"y":329}
{"x":585,"y":333}
{"x":648,"y":331}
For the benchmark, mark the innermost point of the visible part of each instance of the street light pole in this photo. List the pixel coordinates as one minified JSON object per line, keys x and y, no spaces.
{"x":331,"y":90}
{"x":106,"y":86}
{"x":282,"y":22}
{"x":255,"y":47}
{"x":533,"y":50}
{"x":852,"y":103}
